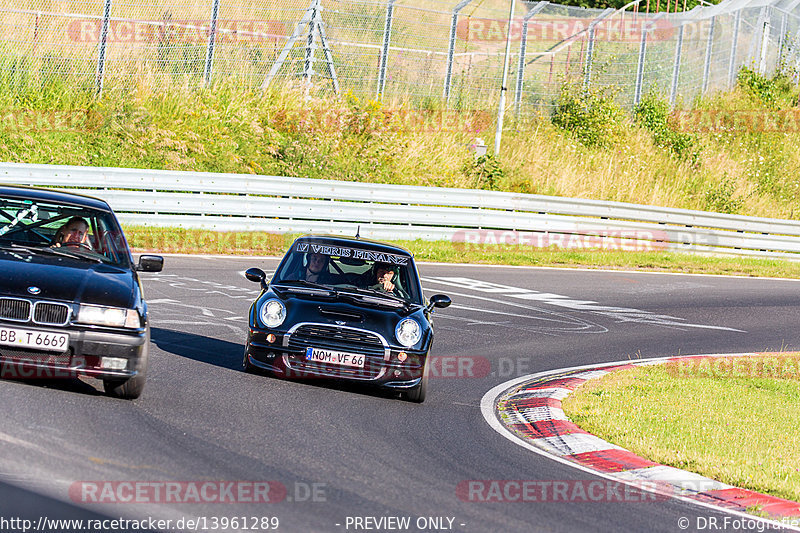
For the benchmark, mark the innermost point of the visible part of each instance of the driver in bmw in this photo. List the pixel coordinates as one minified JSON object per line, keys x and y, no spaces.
{"x":75,"y":232}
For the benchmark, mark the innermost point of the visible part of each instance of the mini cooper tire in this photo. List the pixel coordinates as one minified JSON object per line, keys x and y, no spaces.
{"x":418,"y":393}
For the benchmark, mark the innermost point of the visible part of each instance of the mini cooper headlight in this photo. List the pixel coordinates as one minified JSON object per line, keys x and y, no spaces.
{"x":108,"y":316}
{"x":408,"y":332}
{"x":272,"y":313}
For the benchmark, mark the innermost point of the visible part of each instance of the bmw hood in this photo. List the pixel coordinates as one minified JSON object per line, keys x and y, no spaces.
{"x":66,"y":280}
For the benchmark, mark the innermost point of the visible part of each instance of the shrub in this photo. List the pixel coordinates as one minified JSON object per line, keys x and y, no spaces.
{"x":486,"y":172}
{"x":773,"y":92}
{"x":720,"y":197}
{"x":653,"y":114}
{"x":590,"y":115}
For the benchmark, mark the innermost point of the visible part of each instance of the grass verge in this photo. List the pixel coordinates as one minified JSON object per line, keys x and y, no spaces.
{"x":194,"y":241}
{"x":730,"y":419}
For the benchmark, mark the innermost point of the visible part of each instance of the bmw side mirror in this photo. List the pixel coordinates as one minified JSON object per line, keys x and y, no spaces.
{"x":256,"y":275}
{"x":439,"y":300}
{"x":150,"y":263}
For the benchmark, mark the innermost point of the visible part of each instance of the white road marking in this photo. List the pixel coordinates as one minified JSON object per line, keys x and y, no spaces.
{"x":620,"y":314}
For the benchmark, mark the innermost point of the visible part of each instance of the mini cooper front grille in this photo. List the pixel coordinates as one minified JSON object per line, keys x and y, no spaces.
{"x":333,"y":338}
{"x":15,"y":309}
{"x":53,"y":314}
{"x":301,"y":367}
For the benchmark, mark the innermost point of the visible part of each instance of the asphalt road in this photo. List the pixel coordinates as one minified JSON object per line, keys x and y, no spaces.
{"x":349,"y":457}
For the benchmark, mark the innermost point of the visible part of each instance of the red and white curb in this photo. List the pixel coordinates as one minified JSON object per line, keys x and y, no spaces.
{"x":527,"y":410}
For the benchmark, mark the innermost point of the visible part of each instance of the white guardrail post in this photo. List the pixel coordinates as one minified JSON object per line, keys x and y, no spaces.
{"x":242,"y":202}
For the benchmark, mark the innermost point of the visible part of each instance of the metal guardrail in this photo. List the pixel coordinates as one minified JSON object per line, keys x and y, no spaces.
{"x":238,"y":202}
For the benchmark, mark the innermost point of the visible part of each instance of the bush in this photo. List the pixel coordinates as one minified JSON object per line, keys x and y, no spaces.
{"x":653,"y":114}
{"x":773,"y":92}
{"x":590,"y":115}
{"x":486,"y":172}
{"x":720,"y":197}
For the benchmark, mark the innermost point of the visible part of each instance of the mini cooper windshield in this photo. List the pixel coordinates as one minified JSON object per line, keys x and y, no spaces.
{"x":337,"y":270}
{"x":75,"y":231}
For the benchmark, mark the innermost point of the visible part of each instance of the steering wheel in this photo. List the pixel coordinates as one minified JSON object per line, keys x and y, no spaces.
{"x":81,"y":245}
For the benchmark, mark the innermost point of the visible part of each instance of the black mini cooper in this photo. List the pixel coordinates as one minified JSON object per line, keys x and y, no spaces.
{"x":343,"y":308}
{"x":70,"y":298}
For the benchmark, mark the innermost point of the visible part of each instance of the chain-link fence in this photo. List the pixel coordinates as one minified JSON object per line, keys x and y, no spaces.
{"x":419,"y":49}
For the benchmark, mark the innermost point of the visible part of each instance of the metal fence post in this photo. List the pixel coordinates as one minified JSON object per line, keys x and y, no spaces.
{"x":452,"y":47}
{"x":212,"y":34}
{"x":707,"y":67}
{"x":590,"y":48}
{"x":762,"y":60}
{"x":311,"y":44}
{"x":753,"y":53}
{"x":501,"y":106}
{"x":735,"y":42}
{"x":101,"y":54}
{"x":522,"y":47}
{"x":637,"y":93}
{"x":387,"y":34}
{"x":782,"y":39}
{"x":676,"y":67}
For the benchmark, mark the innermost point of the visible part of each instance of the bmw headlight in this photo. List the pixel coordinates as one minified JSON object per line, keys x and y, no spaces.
{"x":108,"y":316}
{"x":272,"y":313}
{"x":408,"y":332}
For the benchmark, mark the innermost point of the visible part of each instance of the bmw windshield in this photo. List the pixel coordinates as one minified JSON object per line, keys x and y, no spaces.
{"x":49,"y":228}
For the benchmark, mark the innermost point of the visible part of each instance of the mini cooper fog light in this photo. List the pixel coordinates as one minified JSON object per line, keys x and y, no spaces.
{"x":402,"y":356}
{"x":113,"y":363}
{"x":271,"y":338}
{"x":397,"y":373}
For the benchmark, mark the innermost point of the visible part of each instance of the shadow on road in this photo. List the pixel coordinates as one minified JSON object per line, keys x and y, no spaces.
{"x":229,"y":355}
{"x":22,"y":504}
{"x":208,"y":350}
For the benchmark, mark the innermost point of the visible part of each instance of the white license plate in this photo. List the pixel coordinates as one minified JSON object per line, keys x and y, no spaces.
{"x":39,"y":340}
{"x":337,"y":358}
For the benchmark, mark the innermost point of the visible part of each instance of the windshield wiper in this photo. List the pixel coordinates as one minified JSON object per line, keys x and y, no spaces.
{"x":58,"y":252}
{"x":376,"y":293}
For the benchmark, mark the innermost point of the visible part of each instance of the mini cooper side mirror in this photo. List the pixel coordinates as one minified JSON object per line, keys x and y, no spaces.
{"x":256,"y":275}
{"x":440,"y":301}
{"x":150,"y":263}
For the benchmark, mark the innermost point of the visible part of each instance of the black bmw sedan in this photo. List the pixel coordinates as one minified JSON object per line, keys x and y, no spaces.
{"x":343,"y":308}
{"x":70,"y":297}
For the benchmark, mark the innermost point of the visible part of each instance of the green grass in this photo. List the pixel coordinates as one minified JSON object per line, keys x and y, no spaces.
{"x":733,"y":421}
{"x":193,"y":241}
{"x":405,"y":140}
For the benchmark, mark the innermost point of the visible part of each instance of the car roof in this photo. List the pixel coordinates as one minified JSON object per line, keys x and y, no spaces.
{"x":52,"y":195}
{"x":338,"y":240}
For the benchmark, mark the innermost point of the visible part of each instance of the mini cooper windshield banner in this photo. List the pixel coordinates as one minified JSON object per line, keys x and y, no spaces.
{"x":355,"y":253}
